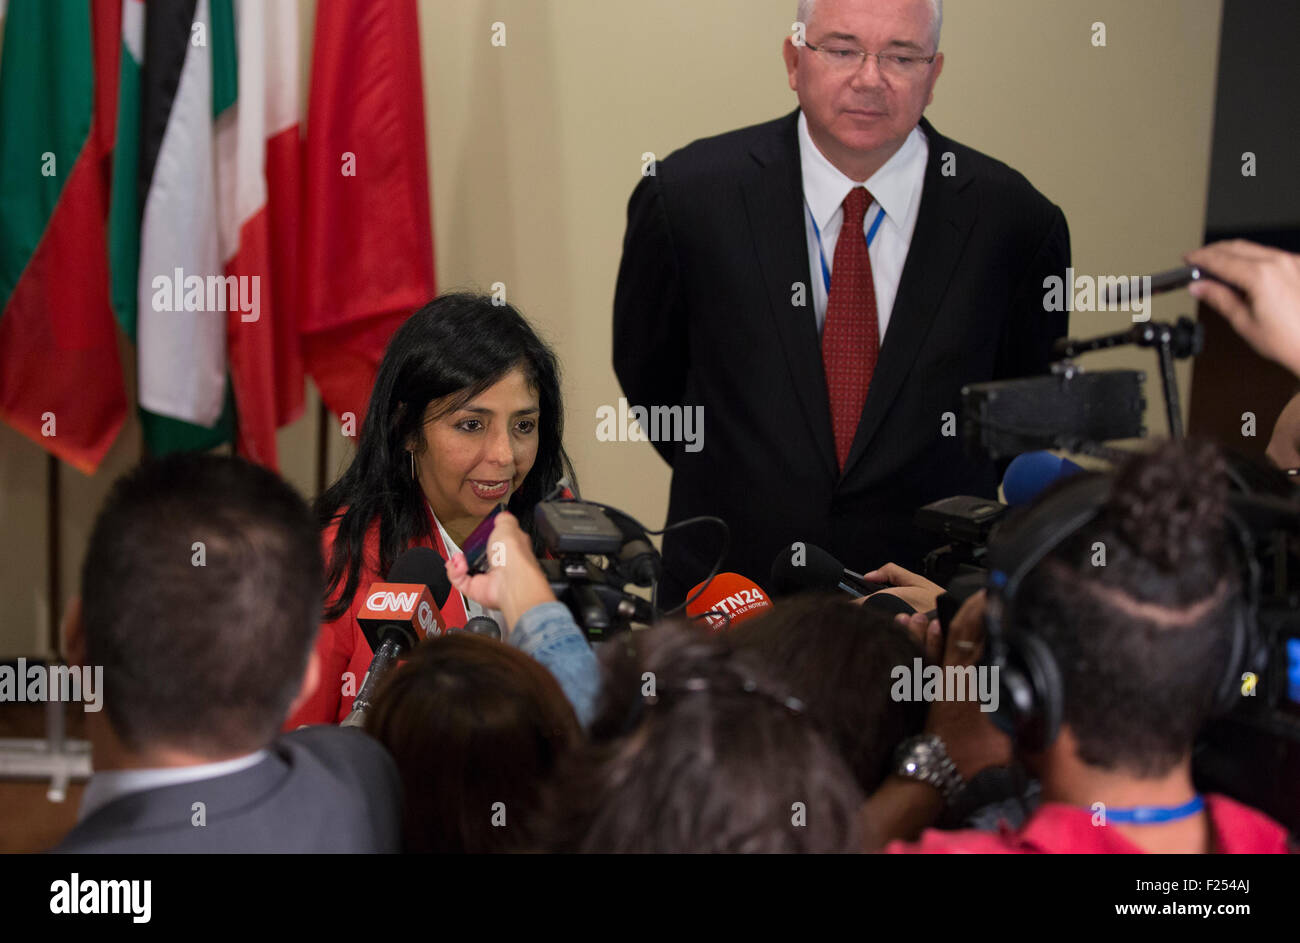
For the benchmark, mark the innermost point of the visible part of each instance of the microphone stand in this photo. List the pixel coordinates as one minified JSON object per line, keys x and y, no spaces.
{"x":1171,"y":342}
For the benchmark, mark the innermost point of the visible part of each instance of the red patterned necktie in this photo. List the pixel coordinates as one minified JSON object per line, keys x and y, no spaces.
{"x":851,"y":335}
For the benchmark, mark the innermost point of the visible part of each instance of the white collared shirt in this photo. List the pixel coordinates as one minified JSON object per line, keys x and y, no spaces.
{"x":896,"y":186}
{"x":472,"y":608}
{"x":109,"y":785}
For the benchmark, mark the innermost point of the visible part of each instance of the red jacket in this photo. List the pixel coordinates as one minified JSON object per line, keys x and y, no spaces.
{"x":1067,"y":829}
{"x":342,"y":647}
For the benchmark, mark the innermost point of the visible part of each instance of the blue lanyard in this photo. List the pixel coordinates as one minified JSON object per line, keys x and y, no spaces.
{"x":1154,"y":814}
{"x":821,"y":253}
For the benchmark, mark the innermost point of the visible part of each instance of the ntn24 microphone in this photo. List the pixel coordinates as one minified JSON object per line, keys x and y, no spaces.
{"x":726,"y":600}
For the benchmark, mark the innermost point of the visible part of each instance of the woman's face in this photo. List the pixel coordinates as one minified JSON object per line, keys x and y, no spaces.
{"x":478,"y":455}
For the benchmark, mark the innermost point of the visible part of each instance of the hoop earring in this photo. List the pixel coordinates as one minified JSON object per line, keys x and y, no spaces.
{"x":412,"y":455}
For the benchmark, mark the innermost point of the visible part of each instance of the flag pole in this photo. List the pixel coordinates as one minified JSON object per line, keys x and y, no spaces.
{"x":322,"y":445}
{"x":52,"y":518}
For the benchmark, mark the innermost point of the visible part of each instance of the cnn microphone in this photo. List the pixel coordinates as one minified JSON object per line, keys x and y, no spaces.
{"x":397,"y":614}
{"x":727,"y":599}
{"x":804,"y":567}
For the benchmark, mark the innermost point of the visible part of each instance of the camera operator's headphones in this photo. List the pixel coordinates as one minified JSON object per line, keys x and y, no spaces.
{"x":1030,"y":689}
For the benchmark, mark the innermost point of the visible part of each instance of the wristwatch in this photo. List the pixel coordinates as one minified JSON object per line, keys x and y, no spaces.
{"x":925,"y":759}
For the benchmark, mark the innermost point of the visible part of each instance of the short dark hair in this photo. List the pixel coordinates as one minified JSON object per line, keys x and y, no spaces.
{"x":1141,"y":642}
{"x":720,"y":758}
{"x":201,"y":592}
{"x":839,"y":659}
{"x":457,"y":345}
{"x":472,"y":722}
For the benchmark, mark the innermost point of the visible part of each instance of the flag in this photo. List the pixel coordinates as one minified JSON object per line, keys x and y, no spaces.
{"x":204,"y":220}
{"x":178,"y":72}
{"x":60,"y":375}
{"x":367,"y":242}
{"x":258,"y":158}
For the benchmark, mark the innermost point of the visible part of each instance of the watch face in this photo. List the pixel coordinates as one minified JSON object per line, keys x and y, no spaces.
{"x":925,"y":760}
{"x":920,"y":758}
{"x":921,"y":754}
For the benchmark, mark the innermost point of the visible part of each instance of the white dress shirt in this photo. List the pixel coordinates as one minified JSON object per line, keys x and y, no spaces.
{"x":896,"y":186}
{"x":109,"y":785}
{"x":472,"y":608}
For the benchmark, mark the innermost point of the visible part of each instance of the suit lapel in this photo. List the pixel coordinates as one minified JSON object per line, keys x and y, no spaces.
{"x":944,"y":222}
{"x":774,"y":202}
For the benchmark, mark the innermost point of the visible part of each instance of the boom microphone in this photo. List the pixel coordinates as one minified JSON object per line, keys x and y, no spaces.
{"x":730,"y":598}
{"x":397,"y":614}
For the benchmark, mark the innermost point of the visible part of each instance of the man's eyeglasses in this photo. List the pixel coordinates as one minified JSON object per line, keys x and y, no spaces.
{"x":845,"y":59}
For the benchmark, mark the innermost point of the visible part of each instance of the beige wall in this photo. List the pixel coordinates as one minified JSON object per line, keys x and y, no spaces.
{"x":535,"y":147}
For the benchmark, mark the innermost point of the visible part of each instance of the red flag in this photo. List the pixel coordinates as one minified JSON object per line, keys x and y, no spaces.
{"x":367,"y":241}
{"x":60,"y":376}
{"x":258,"y":172}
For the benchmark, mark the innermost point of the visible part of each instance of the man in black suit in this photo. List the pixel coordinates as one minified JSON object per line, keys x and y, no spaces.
{"x":828,"y":371}
{"x":200,"y":599}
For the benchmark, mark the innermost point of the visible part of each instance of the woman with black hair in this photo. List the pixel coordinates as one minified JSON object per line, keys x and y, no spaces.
{"x":465,"y":413}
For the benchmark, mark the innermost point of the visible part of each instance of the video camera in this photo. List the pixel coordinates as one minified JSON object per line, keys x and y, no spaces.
{"x":574,"y":531}
{"x":1252,"y":753}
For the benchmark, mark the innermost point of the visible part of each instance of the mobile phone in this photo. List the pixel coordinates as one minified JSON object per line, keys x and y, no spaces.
{"x":476,"y":544}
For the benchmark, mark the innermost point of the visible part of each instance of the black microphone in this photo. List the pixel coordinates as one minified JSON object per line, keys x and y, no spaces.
{"x":416,"y":570}
{"x":804,"y":567}
{"x":484,"y":626}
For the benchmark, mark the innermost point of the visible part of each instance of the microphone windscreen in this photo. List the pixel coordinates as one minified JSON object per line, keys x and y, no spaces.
{"x":888,"y":603}
{"x":727,"y":599}
{"x":804,"y":567}
{"x":1030,"y":474}
{"x":483,"y":625}
{"x":422,"y":565}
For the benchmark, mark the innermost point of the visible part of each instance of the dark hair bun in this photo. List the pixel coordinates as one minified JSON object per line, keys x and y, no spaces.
{"x":1170,"y":506}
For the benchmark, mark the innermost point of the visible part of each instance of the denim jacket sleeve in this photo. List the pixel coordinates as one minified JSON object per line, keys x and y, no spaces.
{"x":549,"y":634}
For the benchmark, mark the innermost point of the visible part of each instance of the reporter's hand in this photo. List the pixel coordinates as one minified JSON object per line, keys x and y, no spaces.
{"x":1284,"y":444}
{"x":514,"y":584}
{"x":913,"y":588}
{"x":927,"y":633}
{"x":973,"y":742}
{"x":1268,"y":318}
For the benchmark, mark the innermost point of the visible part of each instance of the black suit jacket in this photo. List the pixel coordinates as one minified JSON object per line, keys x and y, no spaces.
{"x":706,"y":314}
{"x":322,"y":789}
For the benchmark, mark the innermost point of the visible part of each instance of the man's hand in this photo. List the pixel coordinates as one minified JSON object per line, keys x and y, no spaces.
{"x":901,"y":808}
{"x":913,"y":588}
{"x":926,"y":631}
{"x":1284,"y":444}
{"x":973,"y":742}
{"x":514,"y":584}
{"x":1268,"y":318}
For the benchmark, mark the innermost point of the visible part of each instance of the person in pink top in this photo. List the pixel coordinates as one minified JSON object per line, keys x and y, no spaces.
{"x":1133,"y":617}
{"x":1227,"y":827}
